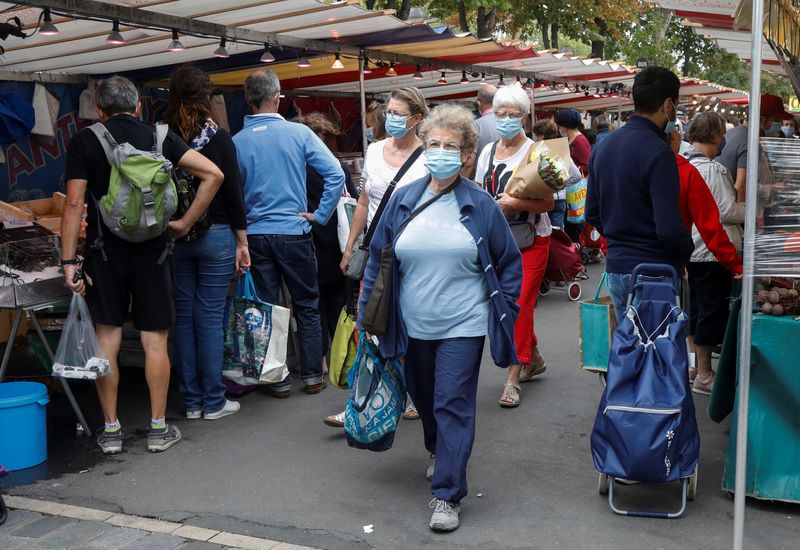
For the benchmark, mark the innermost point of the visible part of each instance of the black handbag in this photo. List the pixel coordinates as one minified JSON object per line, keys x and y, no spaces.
{"x":186,"y":187}
{"x":524,"y":233}
{"x":376,"y":313}
{"x":360,"y":254}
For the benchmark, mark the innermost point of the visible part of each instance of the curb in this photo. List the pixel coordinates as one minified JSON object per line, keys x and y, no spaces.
{"x":189,"y":532}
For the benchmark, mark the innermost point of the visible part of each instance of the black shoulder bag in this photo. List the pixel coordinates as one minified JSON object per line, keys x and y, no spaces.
{"x":523,"y":230}
{"x":376,"y":312}
{"x":360,"y":255}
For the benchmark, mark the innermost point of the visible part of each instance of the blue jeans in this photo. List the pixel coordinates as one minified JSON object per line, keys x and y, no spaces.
{"x":203,"y":271}
{"x":619,"y":286}
{"x":442,"y":379}
{"x":292,"y":258}
{"x":558,"y":214}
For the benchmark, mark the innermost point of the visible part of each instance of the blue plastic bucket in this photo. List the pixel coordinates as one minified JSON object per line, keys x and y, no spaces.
{"x":23,"y":424}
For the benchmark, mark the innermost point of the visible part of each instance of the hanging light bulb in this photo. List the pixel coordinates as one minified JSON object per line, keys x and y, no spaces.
{"x":501,"y":83}
{"x":367,"y":70}
{"x":47,"y":28}
{"x":337,"y":63}
{"x":418,"y":74}
{"x":222,"y":51}
{"x":391,"y":71}
{"x":518,"y":83}
{"x":115,"y":38}
{"x":303,"y":62}
{"x":175,"y":45}
{"x":464,"y":79}
{"x":442,"y":80}
{"x":267,"y":56}
{"x":483,"y":78}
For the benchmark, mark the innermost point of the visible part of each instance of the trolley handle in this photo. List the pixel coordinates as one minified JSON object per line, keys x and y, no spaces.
{"x":658,"y":270}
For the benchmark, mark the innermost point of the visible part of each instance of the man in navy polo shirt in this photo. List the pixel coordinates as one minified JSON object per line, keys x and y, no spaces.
{"x":632,"y":195}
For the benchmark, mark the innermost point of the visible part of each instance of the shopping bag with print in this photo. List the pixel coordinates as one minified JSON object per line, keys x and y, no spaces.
{"x":377,"y":399}
{"x":576,"y":201}
{"x":345,"y":211}
{"x":256,"y":337}
{"x":344,"y":349}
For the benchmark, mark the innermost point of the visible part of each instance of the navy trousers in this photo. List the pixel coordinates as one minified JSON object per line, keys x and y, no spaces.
{"x":442,"y":379}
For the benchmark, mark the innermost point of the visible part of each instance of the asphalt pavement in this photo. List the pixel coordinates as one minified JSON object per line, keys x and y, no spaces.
{"x":275,"y":471}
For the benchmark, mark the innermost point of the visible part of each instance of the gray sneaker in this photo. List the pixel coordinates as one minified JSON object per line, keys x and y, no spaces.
{"x":110,"y":442}
{"x":445,"y":515}
{"x":161,"y":440}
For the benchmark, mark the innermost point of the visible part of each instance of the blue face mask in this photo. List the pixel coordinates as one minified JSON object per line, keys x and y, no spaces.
{"x":370,"y":134}
{"x":509,"y":128}
{"x":671,"y":125}
{"x":396,"y":126}
{"x":442,"y":164}
{"x":788,"y":131}
{"x":774,"y":130}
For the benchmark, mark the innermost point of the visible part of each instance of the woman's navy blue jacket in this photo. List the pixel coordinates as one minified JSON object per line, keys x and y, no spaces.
{"x":499,"y":256}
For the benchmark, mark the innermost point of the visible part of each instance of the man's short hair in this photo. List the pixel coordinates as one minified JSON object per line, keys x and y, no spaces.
{"x":261,"y":86}
{"x":116,"y":95}
{"x":486,"y":93}
{"x":602,"y":123}
{"x":652,"y":87}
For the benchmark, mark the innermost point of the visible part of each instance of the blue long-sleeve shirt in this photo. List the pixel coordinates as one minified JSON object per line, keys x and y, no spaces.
{"x":632,"y":198}
{"x":273,"y":155}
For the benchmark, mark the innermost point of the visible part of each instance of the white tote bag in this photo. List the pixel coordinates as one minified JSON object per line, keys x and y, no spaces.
{"x":275,"y":369}
{"x":345,"y":211}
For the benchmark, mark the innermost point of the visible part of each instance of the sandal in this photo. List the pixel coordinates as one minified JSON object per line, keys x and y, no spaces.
{"x":411,"y":412}
{"x":526,"y":376}
{"x":510,"y":397}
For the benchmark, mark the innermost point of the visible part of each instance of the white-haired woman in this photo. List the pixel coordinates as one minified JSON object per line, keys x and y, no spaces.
{"x":457,"y":274}
{"x":496,"y":165}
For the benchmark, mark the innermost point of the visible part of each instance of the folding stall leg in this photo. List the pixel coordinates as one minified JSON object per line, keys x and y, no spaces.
{"x":18,"y":313}
{"x":86,"y":430}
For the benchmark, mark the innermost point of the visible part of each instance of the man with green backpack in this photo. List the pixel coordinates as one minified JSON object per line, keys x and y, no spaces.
{"x":123,"y":168}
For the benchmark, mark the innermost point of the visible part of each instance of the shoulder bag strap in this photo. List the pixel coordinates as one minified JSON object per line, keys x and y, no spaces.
{"x":159,"y":137}
{"x":107,"y":141}
{"x":489,"y":177}
{"x":388,"y":194}
{"x":417,"y":211}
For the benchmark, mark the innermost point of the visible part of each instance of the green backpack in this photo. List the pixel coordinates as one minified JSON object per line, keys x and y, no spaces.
{"x":142,"y":196}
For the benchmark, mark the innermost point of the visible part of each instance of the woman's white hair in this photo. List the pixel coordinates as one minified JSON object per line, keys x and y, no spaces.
{"x":512,"y":96}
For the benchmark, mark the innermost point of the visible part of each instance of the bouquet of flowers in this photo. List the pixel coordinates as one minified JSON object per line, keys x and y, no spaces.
{"x":543,"y":172}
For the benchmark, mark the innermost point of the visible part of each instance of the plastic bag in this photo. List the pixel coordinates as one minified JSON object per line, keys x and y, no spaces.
{"x":78,"y":355}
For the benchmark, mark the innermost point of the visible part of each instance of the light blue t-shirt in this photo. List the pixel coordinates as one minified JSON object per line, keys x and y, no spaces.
{"x":443,"y":291}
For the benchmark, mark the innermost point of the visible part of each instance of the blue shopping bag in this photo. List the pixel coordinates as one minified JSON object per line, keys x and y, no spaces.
{"x":377,"y":399}
{"x":596,"y":323}
{"x":256,"y":337}
{"x":576,"y":201}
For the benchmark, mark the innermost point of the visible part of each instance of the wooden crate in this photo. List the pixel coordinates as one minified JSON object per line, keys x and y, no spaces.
{"x":45,"y":212}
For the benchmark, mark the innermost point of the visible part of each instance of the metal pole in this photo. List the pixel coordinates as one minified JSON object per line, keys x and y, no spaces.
{"x":363,"y":96}
{"x":533,"y":107}
{"x":753,"y":157}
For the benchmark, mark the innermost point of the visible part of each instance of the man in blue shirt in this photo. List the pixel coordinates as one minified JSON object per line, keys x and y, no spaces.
{"x":633,"y":189}
{"x":273,"y":154}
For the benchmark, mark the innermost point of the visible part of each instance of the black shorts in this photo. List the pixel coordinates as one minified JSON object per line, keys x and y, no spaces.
{"x":710,"y":290}
{"x":131,"y":280}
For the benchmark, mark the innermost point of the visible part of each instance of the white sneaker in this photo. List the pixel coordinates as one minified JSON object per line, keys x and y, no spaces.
{"x":230,"y":407}
{"x":194,"y":415}
{"x":430,"y":470}
{"x":445,"y":515}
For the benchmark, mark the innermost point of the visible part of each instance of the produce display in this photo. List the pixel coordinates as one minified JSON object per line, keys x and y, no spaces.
{"x":778,"y":296}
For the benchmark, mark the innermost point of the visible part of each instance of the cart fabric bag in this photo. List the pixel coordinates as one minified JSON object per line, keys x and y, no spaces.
{"x":596,"y":324}
{"x":78,"y":355}
{"x":377,"y":399}
{"x":256,"y":337}
{"x":645,"y":429}
{"x":344,"y":349}
{"x":345,"y":210}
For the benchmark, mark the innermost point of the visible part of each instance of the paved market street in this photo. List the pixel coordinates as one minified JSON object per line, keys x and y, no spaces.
{"x":275,"y":471}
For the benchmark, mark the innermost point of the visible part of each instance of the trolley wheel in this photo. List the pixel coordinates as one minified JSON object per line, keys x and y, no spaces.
{"x":574,"y":292}
{"x":544,"y":288}
{"x":602,"y":484}
{"x":586,"y":259}
{"x":691,"y":490}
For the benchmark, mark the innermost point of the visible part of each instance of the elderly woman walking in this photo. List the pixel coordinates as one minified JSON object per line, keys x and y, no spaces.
{"x":496,"y":165}
{"x":457,"y":278}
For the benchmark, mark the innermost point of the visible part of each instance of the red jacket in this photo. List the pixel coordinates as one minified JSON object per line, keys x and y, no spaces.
{"x":699,"y":208}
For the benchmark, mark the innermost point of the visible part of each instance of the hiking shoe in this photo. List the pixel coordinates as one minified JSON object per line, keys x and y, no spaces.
{"x":430,"y":470}
{"x":445,"y":515}
{"x":229,"y":408}
{"x":703,"y":386}
{"x":110,"y":442}
{"x":161,"y":440}
{"x":194,"y":415}
{"x":335,"y":420}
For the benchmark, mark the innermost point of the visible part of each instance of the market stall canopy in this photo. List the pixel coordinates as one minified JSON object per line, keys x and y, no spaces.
{"x":717,"y":21}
